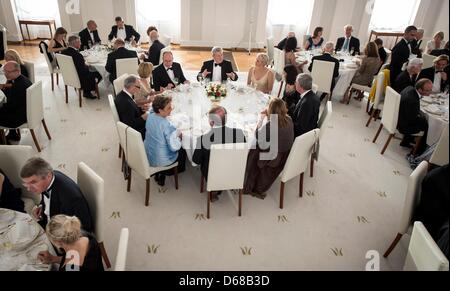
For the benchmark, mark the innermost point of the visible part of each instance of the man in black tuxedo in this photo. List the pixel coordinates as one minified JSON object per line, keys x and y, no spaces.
{"x":219,"y":134}
{"x":89,"y":36}
{"x":409,"y":77}
{"x":401,"y":53}
{"x":154,"y":53}
{"x":14,"y":113}
{"x":217,"y":69}
{"x":169,"y":74}
{"x":326,"y":56}
{"x":438,"y":74}
{"x":129,"y":112}
{"x":282,"y":43}
{"x":348,"y":43}
{"x":417,"y":42}
{"x":381,"y":50}
{"x":59,"y":194}
{"x":88,"y":79}
{"x":122,"y":31}
{"x":120,"y":52}
{"x":306,"y":113}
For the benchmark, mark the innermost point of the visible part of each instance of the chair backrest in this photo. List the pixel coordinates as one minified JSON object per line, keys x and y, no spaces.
{"x":385,"y":66}
{"x":30,"y":69}
{"x":300,"y":155}
{"x":440,"y":154}
{"x":315,"y":88}
{"x":412,"y":197}
{"x":93,"y":188}
{"x":68,"y":71}
{"x":322,"y":74}
{"x":166,"y":49}
{"x":423,"y":252}
{"x":5,"y":39}
{"x":121,"y":258}
{"x":121,"y":131}
{"x":379,"y":91}
{"x":279,"y":61}
{"x":270,"y":49}
{"x":127,"y":66}
{"x":118,"y":83}
{"x":35,"y":105}
{"x":227,"y":164}
{"x":325,"y":118}
{"x":112,"y":105}
{"x":427,"y":61}
{"x":134,"y":149}
{"x":390,"y":110}
{"x":47,"y":60}
{"x":165,"y":40}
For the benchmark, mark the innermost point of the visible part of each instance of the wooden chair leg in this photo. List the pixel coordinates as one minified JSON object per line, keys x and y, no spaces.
{"x":208,"y":209}
{"x":368,"y":105}
{"x":53,"y":81}
{"x":240,"y":202}
{"x":330,"y":96}
{"x":282,"y":195}
{"x":281,"y":88}
{"x":387,"y":143}
{"x":46,"y":129}
{"x":393,"y":245}
{"x":416,"y":147}
{"x":104,"y":255}
{"x":79,"y":96}
{"x":57,"y":79}
{"x":123,"y":159}
{"x":202,"y":184}
{"x":371,"y":117}
{"x":120,"y":151}
{"x":348,"y":95}
{"x":97,"y":91}
{"x":312,"y":168}
{"x":378,"y":133}
{"x":129,"y":182}
{"x":33,"y":135}
{"x":147,"y":193}
{"x":67,"y":95}
{"x":176,"y":177}
{"x":302,"y":176}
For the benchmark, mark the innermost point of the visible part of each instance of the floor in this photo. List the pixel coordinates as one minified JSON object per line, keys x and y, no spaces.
{"x":350,"y":207}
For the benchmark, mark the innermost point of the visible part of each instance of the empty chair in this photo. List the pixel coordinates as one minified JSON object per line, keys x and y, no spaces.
{"x":93,"y":188}
{"x":53,"y":70}
{"x":127,"y":66}
{"x":116,"y":119}
{"x":298,"y":160}
{"x":137,"y":160}
{"x":322,"y":74}
{"x":165,"y":40}
{"x":121,"y":258}
{"x":378,"y":102}
{"x":323,"y":123}
{"x":412,"y":199}
{"x":440,"y":154}
{"x":166,"y":49}
{"x":118,"y":83}
{"x":220,"y":178}
{"x":428,"y":61}
{"x":423,"y":252}
{"x":35,"y":113}
{"x":270,"y":50}
{"x":31,"y":72}
{"x":279,"y":62}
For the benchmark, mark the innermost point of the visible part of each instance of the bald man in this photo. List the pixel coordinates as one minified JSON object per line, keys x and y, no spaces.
{"x":89,"y":36}
{"x":154,"y":53}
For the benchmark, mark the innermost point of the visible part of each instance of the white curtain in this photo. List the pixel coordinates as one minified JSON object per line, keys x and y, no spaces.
{"x":38,"y":10}
{"x":165,"y":15}
{"x":284,"y":16}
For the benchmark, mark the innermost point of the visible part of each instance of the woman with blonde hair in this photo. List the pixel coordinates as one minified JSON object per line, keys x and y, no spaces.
{"x":146,"y":94}
{"x":260,"y":77}
{"x":12,"y":55}
{"x":437,"y":43}
{"x":58,"y":43}
{"x":81,"y":251}
{"x":267,"y":160}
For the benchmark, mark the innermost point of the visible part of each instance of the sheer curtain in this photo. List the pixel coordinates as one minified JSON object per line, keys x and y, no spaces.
{"x":38,"y":10}
{"x":393,"y":15}
{"x":165,"y":15}
{"x":289,"y":15}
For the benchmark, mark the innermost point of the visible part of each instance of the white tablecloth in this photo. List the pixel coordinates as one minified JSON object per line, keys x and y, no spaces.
{"x":436,"y":112}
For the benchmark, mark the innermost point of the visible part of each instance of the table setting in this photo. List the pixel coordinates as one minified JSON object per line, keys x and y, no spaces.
{"x":435,"y":109}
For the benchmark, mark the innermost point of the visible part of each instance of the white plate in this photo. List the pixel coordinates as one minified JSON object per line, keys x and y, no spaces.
{"x":22,"y":234}
{"x":427,"y":100}
{"x":6,"y":217}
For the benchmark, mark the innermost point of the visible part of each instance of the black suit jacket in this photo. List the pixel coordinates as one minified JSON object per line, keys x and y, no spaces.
{"x":217,"y":135}
{"x":130,"y":113}
{"x":409,"y":112}
{"x":383,"y":55}
{"x":154,"y":53}
{"x":400,"y":55}
{"x":14,"y":113}
{"x":439,"y":52}
{"x":327,"y":58}
{"x":306,"y":114}
{"x":354,"y":45}
{"x":430,"y":74}
{"x":128,"y":29}
{"x":80,"y":64}
{"x":85,"y":38}
{"x":403,"y":81}
{"x":66,"y":198}
{"x":161,"y":79}
{"x":120,"y":53}
{"x":227,"y":68}
{"x":282,"y":44}
{"x":415,"y":47}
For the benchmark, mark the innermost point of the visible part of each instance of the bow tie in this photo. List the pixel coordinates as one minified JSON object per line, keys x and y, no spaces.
{"x":220,"y":65}
{"x":120,"y":28}
{"x":46,"y":194}
{"x":169,"y":69}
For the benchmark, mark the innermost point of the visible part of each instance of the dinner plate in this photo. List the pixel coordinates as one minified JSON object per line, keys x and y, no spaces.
{"x":6,"y":217}
{"x":22,"y":234}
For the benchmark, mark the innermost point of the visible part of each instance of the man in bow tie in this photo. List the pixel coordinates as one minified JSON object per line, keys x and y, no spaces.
{"x":217,"y":69}
{"x":401,"y":53}
{"x":169,"y":74}
{"x":89,"y":36}
{"x":59,"y":194}
{"x":125,"y":32}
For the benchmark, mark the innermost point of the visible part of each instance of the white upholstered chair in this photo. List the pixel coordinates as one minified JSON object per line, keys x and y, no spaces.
{"x":322,"y":74}
{"x":116,"y":119}
{"x":127,"y":66}
{"x":323,"y":123}
{"x":165,"y":40}
{"x":298,"y":160}
{"x":428,"y":61}
{"x":70,"y":75}
{"x":53,"y":70}
{"x":31,"y":71}
{"x":440,"y":154}
{"x":118,"y":83}
{"x":378,"y":102}
{"x":279,"y":62}
{"x":270,"y":50}
{"x":121,"y":258}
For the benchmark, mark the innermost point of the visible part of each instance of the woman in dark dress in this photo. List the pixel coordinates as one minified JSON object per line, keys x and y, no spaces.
{"x":10,"y":196}
{"x":12,"y":55}
{"x":290,"y":95}
{"x":264,"y":166}
{"x":315,"y":41}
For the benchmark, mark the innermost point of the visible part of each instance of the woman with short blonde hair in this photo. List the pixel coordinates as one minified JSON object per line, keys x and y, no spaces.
{"x":13,"y":55}
{"x":146,"y":94}
{"x":437,"y":43}
{"x":259,"y":76}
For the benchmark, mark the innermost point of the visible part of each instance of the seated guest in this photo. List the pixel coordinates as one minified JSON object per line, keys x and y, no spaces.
{"x":146,"y":94}
{"x":409,"y":77}
{"x":217,"y":69}
{"x":9,"y":195}
{"x":150,"y":29}
{"x":433,"y":209}
{"x":282,"y":43}
{"x":129,"y":112}
{"x":163,"y":140}
{"x":60,"y":195}
{"x":89,"y":36}
{"x":417,"y":42}
{"x":290,"y":95}
{"x":120,"y":52}
{"x":370,"y":65}
{"x":261,"y":77}
{"x":316,"y":40}
{"x":154,"y":53}
{"x":348,"y":43}
{"x":437,"y":74}
{"x":437,"y":43}
{"x":13,"y":113}
{"x":410,"y":119}
{"x":439,"y":52}
{"x":289,"y":52}
{"x":88,"y":79}
{"x":326,"y":56}
{"x":58,"y":43}
{"x":381,"y":51}
{"x":13,"y":55}
{"x":66,"y":234}
{"x":401,"y":53}
{"x":263,"y":165}
{"x":122,"y":31}
{"x":219,"y":134}
{"x":168,"y":75}
{"x":306,"y":113}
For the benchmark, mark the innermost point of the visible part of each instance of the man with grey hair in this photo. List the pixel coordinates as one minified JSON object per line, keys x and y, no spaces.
{"x":217,"y":69}
{"x":306,"y":113}
{"x":129,"y":112}
{"x":120,"y":52}
{"x":416,"y":43}
{"x":348,"y":43}
{"x":409,"y":76}
{"x":282,"y":44}
{"x":88,"y":79}
{"x":89,"y":36}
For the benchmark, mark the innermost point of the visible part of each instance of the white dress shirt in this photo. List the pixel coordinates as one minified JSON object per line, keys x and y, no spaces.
{"x":121,"y":33}
{"x":171,"y":75}
{"x":92,"y":37}
{"x":217,"y":74}
{"x":437,"y":82}
{"x":304,"y":94}
{"x":47,"y":200}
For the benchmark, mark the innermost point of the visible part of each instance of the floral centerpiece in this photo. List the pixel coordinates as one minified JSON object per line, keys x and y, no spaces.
{"x":216,"y":91}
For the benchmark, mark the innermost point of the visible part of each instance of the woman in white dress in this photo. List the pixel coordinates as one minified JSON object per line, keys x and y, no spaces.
{"x":260,"y":77}
{"x":437,"y":43}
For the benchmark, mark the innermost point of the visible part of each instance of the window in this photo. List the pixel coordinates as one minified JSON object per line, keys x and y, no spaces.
{"x":393,"y":15}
